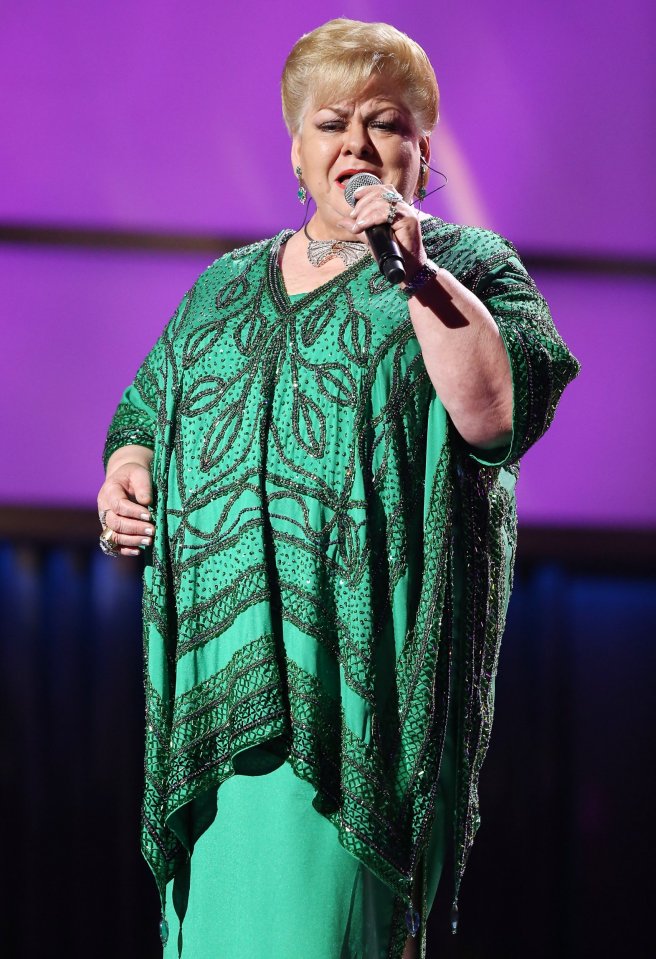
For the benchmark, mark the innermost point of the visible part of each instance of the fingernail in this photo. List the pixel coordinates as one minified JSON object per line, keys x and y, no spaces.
{"x":135,"y":552}
{"x":360,"y":222}
{"x":144,"y":516}
{"x":353,"y":213}
{"x":148,"y":531}
{"x":146,"y":542}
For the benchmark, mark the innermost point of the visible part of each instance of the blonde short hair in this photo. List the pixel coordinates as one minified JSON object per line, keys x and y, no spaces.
{"x":338,"y":59}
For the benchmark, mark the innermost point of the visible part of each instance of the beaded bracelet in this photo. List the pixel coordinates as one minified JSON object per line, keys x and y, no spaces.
{"x":419,"y":279}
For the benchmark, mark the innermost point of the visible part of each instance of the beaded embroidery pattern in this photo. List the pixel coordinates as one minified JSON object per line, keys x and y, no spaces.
{"x":313,"y":508}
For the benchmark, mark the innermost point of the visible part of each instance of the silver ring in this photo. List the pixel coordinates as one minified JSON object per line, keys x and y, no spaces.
{"x":392,"y":196}
{"x":391,"y":216}
{"x":102,"y":513}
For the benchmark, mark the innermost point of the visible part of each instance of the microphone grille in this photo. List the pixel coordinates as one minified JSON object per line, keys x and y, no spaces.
{"x":360,"y":179}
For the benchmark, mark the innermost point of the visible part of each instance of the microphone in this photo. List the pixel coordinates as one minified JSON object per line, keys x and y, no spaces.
{"x":383,"y":245}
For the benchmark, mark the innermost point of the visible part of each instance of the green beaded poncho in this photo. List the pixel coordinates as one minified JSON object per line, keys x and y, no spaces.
{"x":320,"y":528}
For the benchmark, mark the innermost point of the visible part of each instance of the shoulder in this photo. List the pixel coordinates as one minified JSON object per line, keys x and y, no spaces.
{"x":468,"y":252}
{"x":229,"y":278}
{"x":233,"y":263}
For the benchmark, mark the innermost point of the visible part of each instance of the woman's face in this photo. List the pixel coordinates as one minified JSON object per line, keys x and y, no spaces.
{"x":373,"y":132}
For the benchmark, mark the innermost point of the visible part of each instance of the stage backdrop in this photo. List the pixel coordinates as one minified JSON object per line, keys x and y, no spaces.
{"x":164,"y":117}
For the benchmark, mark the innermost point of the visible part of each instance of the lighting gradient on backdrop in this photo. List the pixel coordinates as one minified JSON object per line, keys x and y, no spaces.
{"x":153,"y":116}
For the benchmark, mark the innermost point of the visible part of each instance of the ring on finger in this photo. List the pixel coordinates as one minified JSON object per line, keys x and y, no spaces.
{"x":391,"y":214}
{"x":107,"y":542}
{"x":102,"y":513}
{"x":392,"y":196}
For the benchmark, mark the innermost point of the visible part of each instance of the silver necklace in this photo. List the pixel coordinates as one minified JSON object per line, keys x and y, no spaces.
{"x":350,"y":251}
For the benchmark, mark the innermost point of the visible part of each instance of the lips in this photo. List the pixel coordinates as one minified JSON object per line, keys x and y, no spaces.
{"x":346,"y":175}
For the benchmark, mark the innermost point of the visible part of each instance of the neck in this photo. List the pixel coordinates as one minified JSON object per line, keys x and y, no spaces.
{"x":319,"y":230}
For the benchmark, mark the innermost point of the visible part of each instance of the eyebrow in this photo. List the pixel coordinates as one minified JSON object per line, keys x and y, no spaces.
{"x":384,"y":104}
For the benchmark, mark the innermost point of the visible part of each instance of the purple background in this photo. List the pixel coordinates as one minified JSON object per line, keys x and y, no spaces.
{"x":166,"y":116}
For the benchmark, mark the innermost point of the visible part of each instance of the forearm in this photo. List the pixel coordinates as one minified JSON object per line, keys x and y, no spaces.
{"x":141,"y":455}
{"x":465,"y":359}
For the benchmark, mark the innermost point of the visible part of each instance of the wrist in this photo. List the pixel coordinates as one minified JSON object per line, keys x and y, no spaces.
{"x":422,"y":275}
{"x":129,"y":456}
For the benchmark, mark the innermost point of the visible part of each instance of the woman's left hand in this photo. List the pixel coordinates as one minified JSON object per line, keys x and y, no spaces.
{"x":371,"y":208}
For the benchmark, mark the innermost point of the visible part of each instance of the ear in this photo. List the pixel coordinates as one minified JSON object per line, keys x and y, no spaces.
{"x":296,"y":152}
{"x":424,"y":155}
{"x":425,"y":148}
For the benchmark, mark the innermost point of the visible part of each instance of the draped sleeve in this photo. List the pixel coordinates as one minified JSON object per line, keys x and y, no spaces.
{"x":541,"y":364}
{"x":483,"y":506}
{"x":136,"y":416}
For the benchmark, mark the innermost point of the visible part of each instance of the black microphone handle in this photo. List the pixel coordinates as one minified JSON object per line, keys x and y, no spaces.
{"x":386,"y":252}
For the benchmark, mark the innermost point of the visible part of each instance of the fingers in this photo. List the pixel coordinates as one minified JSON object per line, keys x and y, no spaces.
{"x":129,"y":544}
{"x":131,"y":523}
{"x":142,"y":487}
{"x":115,"y":495}
{"x":129,"y":552}
{"x":128,"y":527}
{"x":122,"y":515}
{"x":379,"y":214}
{"x":123,"y":505}
{"x":132,"y":542}
{"x":371,"y":208}
{"x":116,"y":544}
{"x":379,"y":196}
{"x":127,"y":490}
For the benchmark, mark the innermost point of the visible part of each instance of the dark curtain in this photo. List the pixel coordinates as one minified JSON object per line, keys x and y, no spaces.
{"x":72,"y":705}
{"x":560,"y":867}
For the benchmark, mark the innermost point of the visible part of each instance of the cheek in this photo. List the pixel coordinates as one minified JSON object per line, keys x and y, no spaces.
{"x":408,"y":160}
{"x":319,"y":161}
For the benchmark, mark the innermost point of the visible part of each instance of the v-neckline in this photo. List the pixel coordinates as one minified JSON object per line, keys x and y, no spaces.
{"x":277,"y":286}
{"x":276,"y":282}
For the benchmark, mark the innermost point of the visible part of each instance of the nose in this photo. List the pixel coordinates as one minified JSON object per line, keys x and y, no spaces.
{"x":357,"y":140}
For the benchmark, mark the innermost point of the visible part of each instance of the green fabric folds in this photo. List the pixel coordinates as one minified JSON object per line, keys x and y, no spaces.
{"x":323,"y":538}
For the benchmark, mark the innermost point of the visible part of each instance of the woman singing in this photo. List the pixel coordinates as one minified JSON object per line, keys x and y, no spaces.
{"x":320,"y":466}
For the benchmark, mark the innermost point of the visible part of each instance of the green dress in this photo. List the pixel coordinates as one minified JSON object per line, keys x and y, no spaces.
{"x":327,"y":551}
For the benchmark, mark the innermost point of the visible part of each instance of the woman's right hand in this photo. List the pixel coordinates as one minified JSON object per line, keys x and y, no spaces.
{"x":125,"y":497}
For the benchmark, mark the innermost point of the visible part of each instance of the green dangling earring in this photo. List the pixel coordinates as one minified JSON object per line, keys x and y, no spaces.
{"x":302,"y":192}
{"x":421,"y":191}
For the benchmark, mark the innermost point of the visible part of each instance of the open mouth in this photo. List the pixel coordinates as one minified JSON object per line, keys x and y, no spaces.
{"x":344,"y":178}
